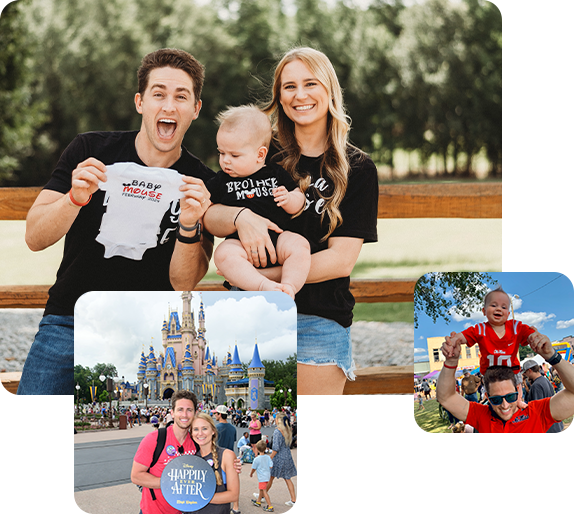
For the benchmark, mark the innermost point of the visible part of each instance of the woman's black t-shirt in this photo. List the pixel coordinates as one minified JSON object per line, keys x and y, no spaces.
{"x":332,"y":299}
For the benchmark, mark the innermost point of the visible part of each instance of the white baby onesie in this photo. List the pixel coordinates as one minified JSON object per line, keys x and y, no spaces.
{"x":137,"y":198}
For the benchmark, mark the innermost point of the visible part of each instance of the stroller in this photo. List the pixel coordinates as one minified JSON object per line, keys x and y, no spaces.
{"x":244,"y":421}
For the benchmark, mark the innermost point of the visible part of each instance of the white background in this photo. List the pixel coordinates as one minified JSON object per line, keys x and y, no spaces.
{"x":366,"y":454}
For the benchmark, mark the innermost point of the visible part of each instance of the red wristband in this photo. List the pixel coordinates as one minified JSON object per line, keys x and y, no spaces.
{"x":450,"y":367}
{"x":75,"y":202}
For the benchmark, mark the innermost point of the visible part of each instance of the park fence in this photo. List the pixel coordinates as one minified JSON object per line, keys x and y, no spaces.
{"x":454,"y":200}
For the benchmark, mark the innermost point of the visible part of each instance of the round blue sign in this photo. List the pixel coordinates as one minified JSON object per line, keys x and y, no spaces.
{"x":188,"y":483}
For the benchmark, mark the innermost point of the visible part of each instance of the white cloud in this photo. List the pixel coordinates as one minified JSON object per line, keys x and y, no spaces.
{"x":517,"y":302}
{"x":419,"y":350}
{"x":536,"y":319}
{"x":114,"y":327}
{"x":564,"y":324}
{"x":475,"y":317}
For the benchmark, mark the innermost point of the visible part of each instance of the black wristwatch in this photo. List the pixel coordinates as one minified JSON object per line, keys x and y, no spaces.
{"x":190,"y":240}
{"x":555,"y":359}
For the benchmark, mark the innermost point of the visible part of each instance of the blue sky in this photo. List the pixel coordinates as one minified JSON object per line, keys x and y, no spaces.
{"x":114,"y":326}
{"x":545,"y":300}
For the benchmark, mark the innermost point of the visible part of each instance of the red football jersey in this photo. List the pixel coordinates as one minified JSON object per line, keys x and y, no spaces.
{"x":496,"y":351}
{"x":536,"y":418}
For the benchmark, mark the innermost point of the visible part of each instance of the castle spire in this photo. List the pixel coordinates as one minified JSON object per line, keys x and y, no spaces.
{"x":256,"y":361}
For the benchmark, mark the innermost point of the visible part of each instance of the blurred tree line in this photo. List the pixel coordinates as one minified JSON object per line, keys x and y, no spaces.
{"x":424,"y":78}
{"x":85,"y":377}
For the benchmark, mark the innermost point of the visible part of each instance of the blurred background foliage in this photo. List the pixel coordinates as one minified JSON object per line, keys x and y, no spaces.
{"x":422,"y":81}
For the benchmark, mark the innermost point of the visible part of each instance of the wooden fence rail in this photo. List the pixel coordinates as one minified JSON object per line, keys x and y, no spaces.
{"x":472,"y":200}
{"x":458,"y":200}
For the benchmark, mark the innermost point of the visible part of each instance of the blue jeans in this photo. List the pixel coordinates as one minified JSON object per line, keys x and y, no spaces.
{"x":324,"y":342}
{"x":49,"y":367}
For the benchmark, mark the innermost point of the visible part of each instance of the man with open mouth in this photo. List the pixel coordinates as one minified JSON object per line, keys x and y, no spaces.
{"x":72,"y":205}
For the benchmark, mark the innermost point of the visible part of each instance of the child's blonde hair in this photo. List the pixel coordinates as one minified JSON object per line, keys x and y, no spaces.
{"x":261,"y":445}
{"x":498,"y":289}
{"x":249,"y":119}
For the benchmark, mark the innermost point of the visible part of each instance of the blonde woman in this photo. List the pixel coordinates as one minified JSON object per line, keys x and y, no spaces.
{"x":340,"y":182}
{"x":205,"y":434}
{"x":284,"y":466}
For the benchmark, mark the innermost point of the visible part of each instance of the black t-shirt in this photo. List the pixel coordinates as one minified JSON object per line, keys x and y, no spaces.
{"x":83,"y":267}
{"x":255,"y":193}
{"x":332,"y":299}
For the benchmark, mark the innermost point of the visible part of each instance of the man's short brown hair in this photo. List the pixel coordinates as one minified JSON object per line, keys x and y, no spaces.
{"x":498,"y":374}
{"x":172,"y":58}
{"x":184,"y":395}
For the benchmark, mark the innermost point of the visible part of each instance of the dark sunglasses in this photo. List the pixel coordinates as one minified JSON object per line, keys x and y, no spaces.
{"x":509,"y":398}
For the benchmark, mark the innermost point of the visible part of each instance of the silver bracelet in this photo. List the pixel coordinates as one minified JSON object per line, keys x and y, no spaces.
{"x":188,"y":229}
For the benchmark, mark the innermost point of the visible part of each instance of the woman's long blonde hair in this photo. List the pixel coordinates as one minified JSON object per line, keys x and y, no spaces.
{"x":335,"y":163}
{"x":282,"y":423}
{"x":216,"y":459}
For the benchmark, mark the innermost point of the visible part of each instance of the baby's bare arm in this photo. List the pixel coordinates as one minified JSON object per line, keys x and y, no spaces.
{"x":289,"y":201}
{"x":451,"y":341}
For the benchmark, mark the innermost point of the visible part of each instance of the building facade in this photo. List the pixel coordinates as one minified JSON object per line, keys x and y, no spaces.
{"x":186,"y":363}
{"x":469,"y":358}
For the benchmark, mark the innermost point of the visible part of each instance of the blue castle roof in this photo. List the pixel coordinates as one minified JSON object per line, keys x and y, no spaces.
{"x":236,"y":364}
{"x":170,"y":357}
{"x":188,"y":359}
{"x":256,"y":361}
{"x":174,"y":319}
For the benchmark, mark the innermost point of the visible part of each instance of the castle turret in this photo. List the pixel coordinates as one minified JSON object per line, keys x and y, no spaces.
{"x":152,"y":374}
{"x":188,"y":370}
{"x":188,"y":316}
{"x":236,"y":372}
{"x":164,"y":332}
{"x":141,"y":376}
{"x":256,"y":373}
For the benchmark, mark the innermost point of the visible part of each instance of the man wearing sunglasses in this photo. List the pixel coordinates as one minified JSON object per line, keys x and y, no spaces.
{"x":502,"y":414}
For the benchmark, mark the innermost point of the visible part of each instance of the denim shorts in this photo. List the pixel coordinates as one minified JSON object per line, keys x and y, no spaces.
{"x":324,"y":342}
{"x":49,"y":367}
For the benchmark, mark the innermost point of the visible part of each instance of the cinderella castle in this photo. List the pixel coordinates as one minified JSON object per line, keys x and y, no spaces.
{"x":186,"y":363}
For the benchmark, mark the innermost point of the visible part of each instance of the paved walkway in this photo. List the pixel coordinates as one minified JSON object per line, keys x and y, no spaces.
{"x":125,"y":498}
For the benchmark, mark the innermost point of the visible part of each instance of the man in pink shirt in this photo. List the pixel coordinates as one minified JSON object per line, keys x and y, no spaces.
{"x":178,"y":442}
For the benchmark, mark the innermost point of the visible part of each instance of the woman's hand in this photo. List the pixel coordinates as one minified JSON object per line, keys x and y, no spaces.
{"x":254,"y":236}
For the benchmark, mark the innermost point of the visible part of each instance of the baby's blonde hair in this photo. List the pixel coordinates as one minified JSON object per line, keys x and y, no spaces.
{"x":498,"y":289}
{"x":249,"y":119}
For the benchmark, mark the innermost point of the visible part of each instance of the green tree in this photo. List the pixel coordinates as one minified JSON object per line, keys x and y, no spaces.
{"x":483,"y":40}
{"x":450,"y":69}
{"x":284,"y":372}
{"x":86,"y":377}
{"x":282,"y":396}
{"x":21,"y":113}
{"x":439,"y":294}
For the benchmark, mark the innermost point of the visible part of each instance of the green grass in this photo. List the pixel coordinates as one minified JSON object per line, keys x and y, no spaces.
{"x":429,"y":419}
{"x":362,"y":268}
{"x":384,"y":312}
